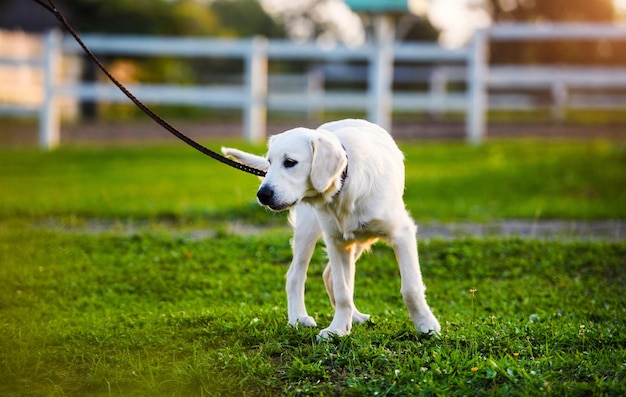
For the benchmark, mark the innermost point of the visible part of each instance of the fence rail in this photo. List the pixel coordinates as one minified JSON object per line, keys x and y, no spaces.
{"x":256,"y":92}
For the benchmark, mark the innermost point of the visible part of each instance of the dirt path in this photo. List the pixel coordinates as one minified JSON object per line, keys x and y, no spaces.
{"x":14,"y":134}
{"x":605,"y":230}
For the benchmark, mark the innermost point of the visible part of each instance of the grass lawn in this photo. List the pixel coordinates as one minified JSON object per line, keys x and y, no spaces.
{"x":161,"y":315}
{"x":158,"y":312}
{"x":517,"y":179}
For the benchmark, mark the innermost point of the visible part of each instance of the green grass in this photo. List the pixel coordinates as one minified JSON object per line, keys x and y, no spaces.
{"x":155,"y":314}
{"x":517,"y":179}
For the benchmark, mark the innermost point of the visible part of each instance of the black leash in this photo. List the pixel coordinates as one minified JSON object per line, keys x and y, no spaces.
{"x":242,"y":167}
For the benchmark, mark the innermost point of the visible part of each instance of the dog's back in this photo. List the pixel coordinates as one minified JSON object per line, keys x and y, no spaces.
{"x":375,"y":163}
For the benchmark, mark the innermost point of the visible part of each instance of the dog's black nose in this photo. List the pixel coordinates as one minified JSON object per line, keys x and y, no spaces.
{"x":265,"y":195}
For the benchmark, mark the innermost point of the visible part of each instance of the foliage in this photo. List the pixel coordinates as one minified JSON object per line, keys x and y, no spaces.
{"x":168,"y":315}
{"x":174,"y":18}
{"x":247,"y":18}
{"x":420,"y":30}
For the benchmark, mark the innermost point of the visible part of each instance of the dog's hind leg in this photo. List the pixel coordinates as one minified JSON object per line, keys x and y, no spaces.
{"x":412,"y":288}
{"x":357,"y":316}
{"x":306,"y":233}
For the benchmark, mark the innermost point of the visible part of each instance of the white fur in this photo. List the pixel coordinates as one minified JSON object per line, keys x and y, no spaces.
{"x":304,"y":173}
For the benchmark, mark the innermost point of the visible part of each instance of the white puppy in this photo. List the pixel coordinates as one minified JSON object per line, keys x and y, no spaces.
{"x":344,"y":182}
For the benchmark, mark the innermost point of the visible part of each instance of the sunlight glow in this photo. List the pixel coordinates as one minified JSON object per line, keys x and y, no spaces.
{"x":457,"y":20}
{"x":620,"y":6}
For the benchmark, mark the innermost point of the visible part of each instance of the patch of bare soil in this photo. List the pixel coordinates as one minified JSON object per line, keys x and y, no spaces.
{"x":20,"y":134}
{"x":567,"y":230}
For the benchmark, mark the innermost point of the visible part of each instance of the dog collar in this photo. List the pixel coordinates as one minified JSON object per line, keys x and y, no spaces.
{"x":344,"y":174}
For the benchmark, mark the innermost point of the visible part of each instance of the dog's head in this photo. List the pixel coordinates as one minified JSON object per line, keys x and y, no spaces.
{"x":301,"y":164}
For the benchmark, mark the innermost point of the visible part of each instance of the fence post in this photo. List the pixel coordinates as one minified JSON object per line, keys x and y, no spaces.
{"x":559,"y":100}
{"x":478,"y":69}
{"x":438,"y":85}
{"x":315,"y":91}
{"x":255,"y":111}
{"x":380,"y":73}
{"x":49,"y":117}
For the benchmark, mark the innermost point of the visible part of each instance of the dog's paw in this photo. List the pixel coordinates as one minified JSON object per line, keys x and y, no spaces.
{"x":328,"y":333}
{"x":427,"y":324}
{"x":305,"y":321}
{"x":359,"y":318}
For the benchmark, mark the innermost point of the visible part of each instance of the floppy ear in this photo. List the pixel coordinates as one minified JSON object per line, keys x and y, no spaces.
{"x":329,"y":161}
{"x":248,"y":159}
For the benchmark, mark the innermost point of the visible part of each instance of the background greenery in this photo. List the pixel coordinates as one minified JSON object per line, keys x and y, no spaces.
{"x":530,"y":179}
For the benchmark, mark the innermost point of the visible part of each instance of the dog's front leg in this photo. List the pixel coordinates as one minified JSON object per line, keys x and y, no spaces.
{"x":342,"y":269}
{"x":357,"y":316}
{"x":306,"y":233}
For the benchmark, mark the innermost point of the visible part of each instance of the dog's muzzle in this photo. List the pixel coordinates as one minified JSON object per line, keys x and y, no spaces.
{"x":265,"y":195}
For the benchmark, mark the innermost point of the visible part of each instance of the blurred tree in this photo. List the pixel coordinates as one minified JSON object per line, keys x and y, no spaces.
{"x":326,"y":20}
{"x":246,"y":18}
{"x":413,"y":28}
{"x":551,"y":52}
{"x":229,"y":18}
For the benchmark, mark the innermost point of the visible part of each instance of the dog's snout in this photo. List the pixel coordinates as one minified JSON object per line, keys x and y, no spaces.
{"x":265,"y":195}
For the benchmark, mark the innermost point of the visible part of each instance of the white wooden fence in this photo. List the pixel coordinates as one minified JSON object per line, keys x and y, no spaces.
{"x":560,"y":81}
{"x":254,"y":97}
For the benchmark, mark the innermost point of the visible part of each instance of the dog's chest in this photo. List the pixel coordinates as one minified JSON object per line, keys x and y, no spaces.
{"x":351,"y":227}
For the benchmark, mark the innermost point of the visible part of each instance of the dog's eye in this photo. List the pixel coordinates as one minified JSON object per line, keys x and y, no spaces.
{"x":288,"y":163}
